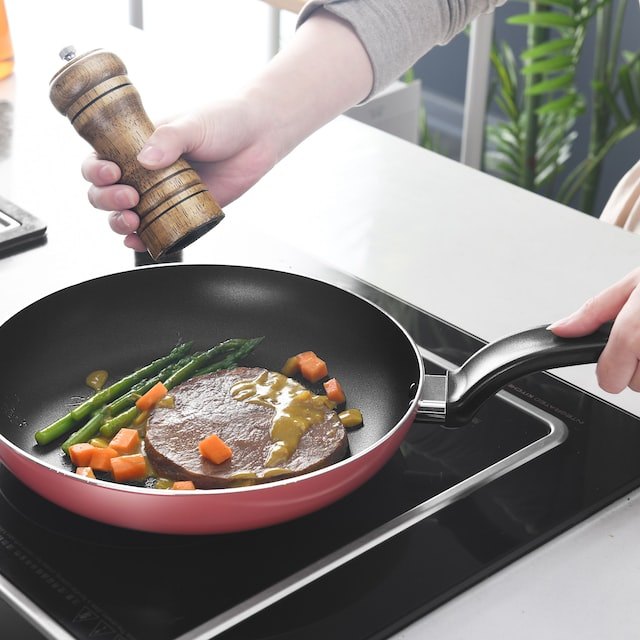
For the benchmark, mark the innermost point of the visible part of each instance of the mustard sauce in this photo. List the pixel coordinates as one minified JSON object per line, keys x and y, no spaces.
{"x":296,"y":409}
{"x":96,"y":379}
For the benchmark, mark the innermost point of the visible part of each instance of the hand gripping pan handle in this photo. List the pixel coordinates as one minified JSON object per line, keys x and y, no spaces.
{"x":452,"y":399}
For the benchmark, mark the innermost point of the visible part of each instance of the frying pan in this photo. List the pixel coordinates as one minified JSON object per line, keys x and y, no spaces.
{"x":121,"y":321}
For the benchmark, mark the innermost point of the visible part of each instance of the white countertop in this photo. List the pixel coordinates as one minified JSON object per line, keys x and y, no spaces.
{"x":486,"y":256}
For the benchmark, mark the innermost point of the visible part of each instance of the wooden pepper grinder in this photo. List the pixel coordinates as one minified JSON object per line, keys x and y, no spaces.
{"x":94,"y":92}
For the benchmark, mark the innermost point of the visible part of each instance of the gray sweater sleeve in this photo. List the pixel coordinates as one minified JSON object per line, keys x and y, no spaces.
{"x":396,"y":33}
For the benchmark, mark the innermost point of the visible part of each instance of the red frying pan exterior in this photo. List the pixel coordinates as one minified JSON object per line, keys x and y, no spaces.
{"x":121,"y":321}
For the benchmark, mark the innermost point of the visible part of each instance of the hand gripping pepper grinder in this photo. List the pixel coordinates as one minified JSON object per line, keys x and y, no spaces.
{"x":94,"y":92}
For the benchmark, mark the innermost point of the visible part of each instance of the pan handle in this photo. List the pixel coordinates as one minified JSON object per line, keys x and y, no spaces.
{"x":505,"y":360}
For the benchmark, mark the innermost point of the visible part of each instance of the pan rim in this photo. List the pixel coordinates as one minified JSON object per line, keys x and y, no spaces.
{"x":404,"y":421}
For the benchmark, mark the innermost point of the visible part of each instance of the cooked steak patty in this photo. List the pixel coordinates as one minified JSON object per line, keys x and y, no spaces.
{"x":203,"y":406}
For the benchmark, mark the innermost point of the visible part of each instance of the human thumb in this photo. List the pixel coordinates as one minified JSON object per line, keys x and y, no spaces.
{"x":165,"y":145}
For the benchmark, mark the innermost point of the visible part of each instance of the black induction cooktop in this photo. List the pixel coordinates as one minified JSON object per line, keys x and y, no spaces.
{"x":450,"y":508}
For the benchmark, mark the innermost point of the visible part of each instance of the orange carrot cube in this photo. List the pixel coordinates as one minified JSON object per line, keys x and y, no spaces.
{"x":81,"y":453}
{"x":183,"y":485}
{"x":151,"y":397}
{"x":125,"y":441}
{"x":130,"y":467}
{"x":214,"y":449}
{"x":313,"y":368}
{"x":101,"y":458}
{"x":334,"y":391}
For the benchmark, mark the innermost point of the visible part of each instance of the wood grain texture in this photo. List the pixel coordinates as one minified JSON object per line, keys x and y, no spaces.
{"x":95,"y":93}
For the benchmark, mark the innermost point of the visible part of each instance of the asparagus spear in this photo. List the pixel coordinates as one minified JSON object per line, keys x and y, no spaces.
{"x":125,"y":401}
{"x":117,"y":399}
{"x":110,"y":427}
{"x":124,"y":384}
{"x":239,"y":347}
{"x":87,"y":431}
{"x":64,"y":424}
{"x":118,"y":406}
{"x":232,"y":359}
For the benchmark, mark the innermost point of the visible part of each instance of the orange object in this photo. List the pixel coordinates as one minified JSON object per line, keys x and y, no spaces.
{"x":214,"y":449}
{"x":149,"y":399}
{"x":125,"y":441}
{"x":86,"y":472}
{"x":131,"y":467}
{"x":312,"y":367}
{"x":183,"y":485}
{"x":334,"y":391}
{"x":81,"y":453}
{"x":6,"y":45}
{"x":101,"y":458}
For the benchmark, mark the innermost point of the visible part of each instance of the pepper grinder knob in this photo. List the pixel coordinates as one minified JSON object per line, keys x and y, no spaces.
{"x":68,"y":53}
{"x":94,"y":92}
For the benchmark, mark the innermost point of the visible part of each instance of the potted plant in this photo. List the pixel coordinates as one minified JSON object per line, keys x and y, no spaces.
{"x":538,"y":96}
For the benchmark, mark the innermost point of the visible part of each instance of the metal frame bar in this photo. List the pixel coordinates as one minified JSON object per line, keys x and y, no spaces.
{"x":136,"y":13}
{"x":477,"y":88}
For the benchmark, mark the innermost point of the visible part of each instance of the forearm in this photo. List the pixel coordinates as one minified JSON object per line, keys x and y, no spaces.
{"x":396,"y":33}
{"x":308,"y":83}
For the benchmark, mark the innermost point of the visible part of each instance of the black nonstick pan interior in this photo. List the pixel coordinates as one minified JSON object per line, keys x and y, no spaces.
{"x":122,"y":321}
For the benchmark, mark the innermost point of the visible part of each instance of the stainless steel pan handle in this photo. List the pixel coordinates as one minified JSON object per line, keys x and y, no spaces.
{"x":452,"y":399}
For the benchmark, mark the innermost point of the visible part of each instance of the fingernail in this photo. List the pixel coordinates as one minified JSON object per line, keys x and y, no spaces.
{"x":559,"y":323}
{"x":108,"y":174}
{"x":150,"y":154}
{"x":124,"y":200}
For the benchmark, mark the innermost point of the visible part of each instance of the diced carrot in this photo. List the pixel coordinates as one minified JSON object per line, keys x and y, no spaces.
{"x":125,"y":441}
{"x":290,"y":367}
{"x":131,"y":467}
{"x":334,"y":391}
{"x":81,"y":453}
{"x":101,"y":458}
{"x":86,"y":472}
{"x":312,"y":367}
{"x":149,"y":399}
{"x":214,"y":449}
{"x":183,"y":485}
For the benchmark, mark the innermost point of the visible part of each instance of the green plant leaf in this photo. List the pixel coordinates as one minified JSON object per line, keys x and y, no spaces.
{"x":538,"y":96}
{"x":554,"y":84}
{"x":564,"y":4}
{"x":556,"y":63}
{"x":547,"y":48}
{"x":544,"y":19}
{"x":559,"y":105}
{"x":630,"y":58}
